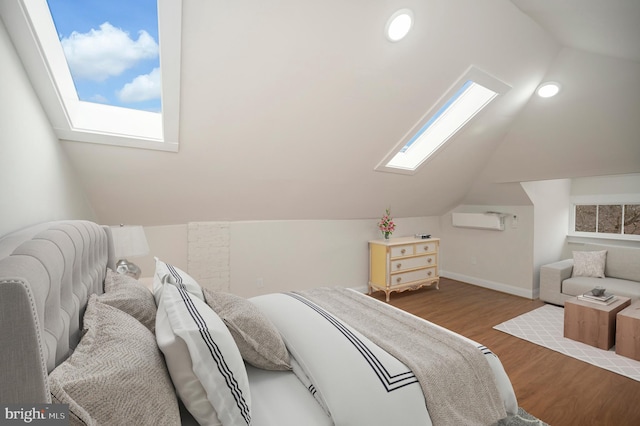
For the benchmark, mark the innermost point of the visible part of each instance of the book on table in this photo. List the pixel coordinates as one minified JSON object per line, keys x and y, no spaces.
{"x":605,"y":299}
{"x":602,"y":298}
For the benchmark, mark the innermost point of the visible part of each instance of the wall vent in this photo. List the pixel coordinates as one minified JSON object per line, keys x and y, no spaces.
{"x":489,"y":220}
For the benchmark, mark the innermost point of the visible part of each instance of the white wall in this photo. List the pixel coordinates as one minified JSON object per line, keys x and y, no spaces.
{"x":510,"y":260}
{"x":305,"y":254}
{"x":551,"y":218}
{"x":271,"y":256}
{"x":606,"y":185}
{"x":169,"y":243}
{"x":37,"y":181}
{"x":499,"y":260}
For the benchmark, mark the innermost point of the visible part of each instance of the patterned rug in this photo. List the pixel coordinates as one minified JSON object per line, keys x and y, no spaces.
{"x":545,"y":327}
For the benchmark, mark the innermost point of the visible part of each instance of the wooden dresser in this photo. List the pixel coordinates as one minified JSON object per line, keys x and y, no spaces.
{"x":400,"y":264}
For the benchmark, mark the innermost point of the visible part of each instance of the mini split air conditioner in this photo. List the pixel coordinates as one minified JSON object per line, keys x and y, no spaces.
{"x":492,"y":221}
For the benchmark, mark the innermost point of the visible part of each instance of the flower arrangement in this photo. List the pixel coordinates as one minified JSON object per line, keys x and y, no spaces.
{"x":386,"y":225}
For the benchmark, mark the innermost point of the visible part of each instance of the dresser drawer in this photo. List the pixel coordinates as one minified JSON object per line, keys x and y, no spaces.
{"x":410,"y":263}
{"x":407,"y":277}
{"x":401,"y":251}
{"x":430,"y":247}
{"x":431,"y":260}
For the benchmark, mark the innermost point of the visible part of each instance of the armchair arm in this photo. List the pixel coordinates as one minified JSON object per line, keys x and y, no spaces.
{"x":551,"y":277}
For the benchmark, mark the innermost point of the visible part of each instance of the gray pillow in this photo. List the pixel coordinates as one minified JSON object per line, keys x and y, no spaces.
{"x":130,"y":296}
{"x":589,"y":263}
{"x":259,"y":341}
{"x":116,"y":375}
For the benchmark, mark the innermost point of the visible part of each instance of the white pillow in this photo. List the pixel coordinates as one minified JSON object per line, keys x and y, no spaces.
{"x":166,"y":272}
{"x":589,"y":263}
{"x":204,"y":363}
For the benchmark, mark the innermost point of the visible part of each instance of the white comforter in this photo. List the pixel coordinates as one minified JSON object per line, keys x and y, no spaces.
{"x":353,"y":379}
{"x":357,"y":382}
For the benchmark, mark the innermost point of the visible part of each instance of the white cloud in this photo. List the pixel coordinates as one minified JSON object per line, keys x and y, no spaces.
{"x":109,"y":51}
{"x":99,"y":99}
{"x":142,"y":88}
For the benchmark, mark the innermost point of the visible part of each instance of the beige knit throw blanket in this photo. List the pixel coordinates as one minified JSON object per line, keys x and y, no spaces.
{"x":458,"y":384}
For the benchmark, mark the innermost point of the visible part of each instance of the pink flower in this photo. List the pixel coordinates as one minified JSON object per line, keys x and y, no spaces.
{"x":386,"y":224}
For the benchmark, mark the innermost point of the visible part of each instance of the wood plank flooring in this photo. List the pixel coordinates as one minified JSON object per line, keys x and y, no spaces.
{"x":555,"y":388}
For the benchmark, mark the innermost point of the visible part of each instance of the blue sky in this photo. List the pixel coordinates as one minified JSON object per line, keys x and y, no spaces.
{"x":111,"y":47}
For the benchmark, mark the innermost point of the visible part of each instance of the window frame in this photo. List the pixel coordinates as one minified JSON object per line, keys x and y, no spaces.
{"x":473,"y":74}
{"x":599,"y":200}
{"x":33,"y":33}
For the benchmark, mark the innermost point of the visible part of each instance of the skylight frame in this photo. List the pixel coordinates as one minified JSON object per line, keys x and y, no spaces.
{"x":33,"y":32}
{"x":400,"y":158}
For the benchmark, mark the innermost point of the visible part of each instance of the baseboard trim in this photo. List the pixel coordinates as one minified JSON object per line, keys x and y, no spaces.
{"x":492,"y":285}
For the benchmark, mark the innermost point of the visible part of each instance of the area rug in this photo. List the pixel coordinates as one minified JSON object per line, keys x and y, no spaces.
{"x":545,"y":327}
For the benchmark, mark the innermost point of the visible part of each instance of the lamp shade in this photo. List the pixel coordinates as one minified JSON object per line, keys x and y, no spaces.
{"x":129,"y":241}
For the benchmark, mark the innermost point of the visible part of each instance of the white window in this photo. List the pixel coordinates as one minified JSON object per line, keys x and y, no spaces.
{"x":610,"y":217}
{"x":34,"y":34}
{"x":469,"y":95}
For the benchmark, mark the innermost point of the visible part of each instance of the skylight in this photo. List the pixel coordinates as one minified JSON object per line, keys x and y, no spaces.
{"x":112,"y":50}
{"x":474,"y":91}
{"x":116,"y":58}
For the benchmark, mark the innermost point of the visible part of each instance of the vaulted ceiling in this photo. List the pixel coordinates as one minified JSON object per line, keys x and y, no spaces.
{"x":287,"y":107}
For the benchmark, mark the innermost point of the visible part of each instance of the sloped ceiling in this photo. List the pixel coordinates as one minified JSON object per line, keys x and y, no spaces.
{"x":287,"y":107}
{"x":592,"y":127}
{"x":604,"y":27}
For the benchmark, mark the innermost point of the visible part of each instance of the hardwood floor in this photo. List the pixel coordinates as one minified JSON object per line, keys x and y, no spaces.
{"x":558,"y":389}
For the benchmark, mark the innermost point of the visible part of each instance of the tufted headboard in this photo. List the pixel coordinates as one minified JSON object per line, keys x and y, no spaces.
{"x":47,"y":273}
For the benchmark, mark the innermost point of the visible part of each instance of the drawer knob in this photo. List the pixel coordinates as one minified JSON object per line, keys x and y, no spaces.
{"x":429,"y":260}
{"x":398,"y":279}
{"x":426,"y":248}
{"x":429,"y":273}
{"x":399,"y":265}
{"x":403,"y":251}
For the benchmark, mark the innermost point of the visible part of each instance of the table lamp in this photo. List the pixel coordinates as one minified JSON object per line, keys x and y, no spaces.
{"x":129,"y":241}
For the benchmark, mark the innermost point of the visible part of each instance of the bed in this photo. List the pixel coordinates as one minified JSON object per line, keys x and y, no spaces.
{"x":74,"y":332}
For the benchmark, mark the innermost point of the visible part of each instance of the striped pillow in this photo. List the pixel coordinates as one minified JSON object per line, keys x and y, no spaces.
{"x":166,"y":272}
{"x":203,"y":360}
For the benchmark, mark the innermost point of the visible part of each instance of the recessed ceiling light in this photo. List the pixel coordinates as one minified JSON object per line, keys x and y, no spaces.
{"x":399,"y":25}
{"x":548,"y":89}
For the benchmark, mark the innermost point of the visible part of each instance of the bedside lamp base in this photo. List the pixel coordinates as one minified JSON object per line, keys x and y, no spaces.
{"x":125,"y":267}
